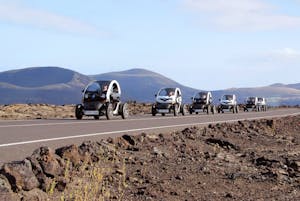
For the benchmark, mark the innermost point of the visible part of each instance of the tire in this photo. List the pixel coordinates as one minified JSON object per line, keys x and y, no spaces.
{"x":175,"y":110}
{"x":96,"y":117}
{"x":78,"y":112}
{"x":163,"y":114}
{"x":208,"y":109}
{"x":153,"y":110}
{"x":124,"y":111}
{"x":109,"y":111}
{"x":213,"y":109}
{"x":183,"y":112}
{"x":191,"y":111}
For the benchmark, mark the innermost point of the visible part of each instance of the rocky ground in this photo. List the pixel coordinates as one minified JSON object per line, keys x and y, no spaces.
{"x":248,"y":160}
{"x":46,"y":111}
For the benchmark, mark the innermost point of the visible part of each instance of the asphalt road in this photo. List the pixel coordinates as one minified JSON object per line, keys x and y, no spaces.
{"x":19,"y":139}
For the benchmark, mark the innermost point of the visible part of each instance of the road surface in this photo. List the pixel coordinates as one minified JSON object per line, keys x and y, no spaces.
{"x":19,"y":139}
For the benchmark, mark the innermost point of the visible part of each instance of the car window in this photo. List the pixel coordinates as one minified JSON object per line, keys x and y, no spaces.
{"x":167,"y":92}
{"x":227,"y":97}
{"x":94,"y":87}
{"x":201,"y":95}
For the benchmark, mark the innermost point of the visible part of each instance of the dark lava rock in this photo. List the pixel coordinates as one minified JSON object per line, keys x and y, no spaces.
{"x":222,"y":143}
{"x":20,"y":175}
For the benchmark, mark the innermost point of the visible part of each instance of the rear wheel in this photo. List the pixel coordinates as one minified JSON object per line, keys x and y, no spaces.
{"x":96,"y":117}
{"x":109,"y":111}
{"x":163,"y":114}
{"x":124,"y":111}
{"x":78,"y":112}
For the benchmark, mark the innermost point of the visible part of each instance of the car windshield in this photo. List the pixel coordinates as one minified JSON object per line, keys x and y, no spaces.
{"x":251,"y":99}
{"x":201,"y":95}
{"x":94,"y":87}
{"x":227,"y":97}
{"x":167,"y":92}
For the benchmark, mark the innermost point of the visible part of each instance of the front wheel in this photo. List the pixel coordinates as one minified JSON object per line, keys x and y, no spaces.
{"x":78,"y":112}
{"x":109,"y":111}
{"x":153,"y":110}
{"x":183,"y":110}
{"x":213,"y":109}
{"x":175,"y":110}
{"x":124,"y":111}
{"x":208,"y":109}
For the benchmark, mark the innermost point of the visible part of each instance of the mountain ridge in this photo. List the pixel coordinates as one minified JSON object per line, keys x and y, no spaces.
{"x":56,"y":85}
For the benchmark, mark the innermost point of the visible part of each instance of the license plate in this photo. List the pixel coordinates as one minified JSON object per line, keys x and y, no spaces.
{"x":91,"y":112}
{"x":163,"y":111}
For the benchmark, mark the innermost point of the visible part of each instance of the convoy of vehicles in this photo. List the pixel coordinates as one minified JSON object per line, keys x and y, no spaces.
{"x":168,"y":100}
{"x":102,"y":98}
{"x":202,"y":102}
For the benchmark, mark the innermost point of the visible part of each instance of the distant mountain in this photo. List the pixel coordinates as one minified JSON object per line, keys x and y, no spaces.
{"x":294,"y":86}
{"x":41,"y":85}
{"x":57,"y":85}
{"x":141,"y":85}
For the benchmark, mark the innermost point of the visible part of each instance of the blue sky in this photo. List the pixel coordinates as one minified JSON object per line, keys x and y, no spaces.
{"x":213,"y":44}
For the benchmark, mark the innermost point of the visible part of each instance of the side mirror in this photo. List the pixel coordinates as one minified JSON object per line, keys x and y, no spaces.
{"x":155,"y":95}
{"x":82,"y":90}
{"x":192,"y":98}
{"x":219,"y":99}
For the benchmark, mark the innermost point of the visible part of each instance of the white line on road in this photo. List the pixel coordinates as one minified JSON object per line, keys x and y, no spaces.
{"x":95,"y":122}
{"x":139,"y":129}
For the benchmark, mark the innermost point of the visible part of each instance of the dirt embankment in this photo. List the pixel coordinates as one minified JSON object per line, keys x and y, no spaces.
{"x":46,"y":111}
{"x":247,"y":160}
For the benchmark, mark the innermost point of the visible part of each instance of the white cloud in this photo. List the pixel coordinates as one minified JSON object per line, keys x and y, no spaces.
{"x":285,"y":54}
{"x":244,"y":15}
{"x":15,"y":12}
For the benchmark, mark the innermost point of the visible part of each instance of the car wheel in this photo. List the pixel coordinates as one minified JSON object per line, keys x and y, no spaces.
{"x":183,"y":109}
{"x":78,"y":112}
{"x":96,"y":117}
{"x":124,"y":111}
{"x":208,"y":109}
{"x":153,"y":110}
{"x":213,"y":109}
{"x":109,"y":111}
{"x":163,"y":114}
{"x":175,"y":110}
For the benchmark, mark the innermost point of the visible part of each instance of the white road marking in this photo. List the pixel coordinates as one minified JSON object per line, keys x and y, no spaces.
{"x":91,"y":121}
{"x":99,"y":121}
{"x":140,"y":129}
